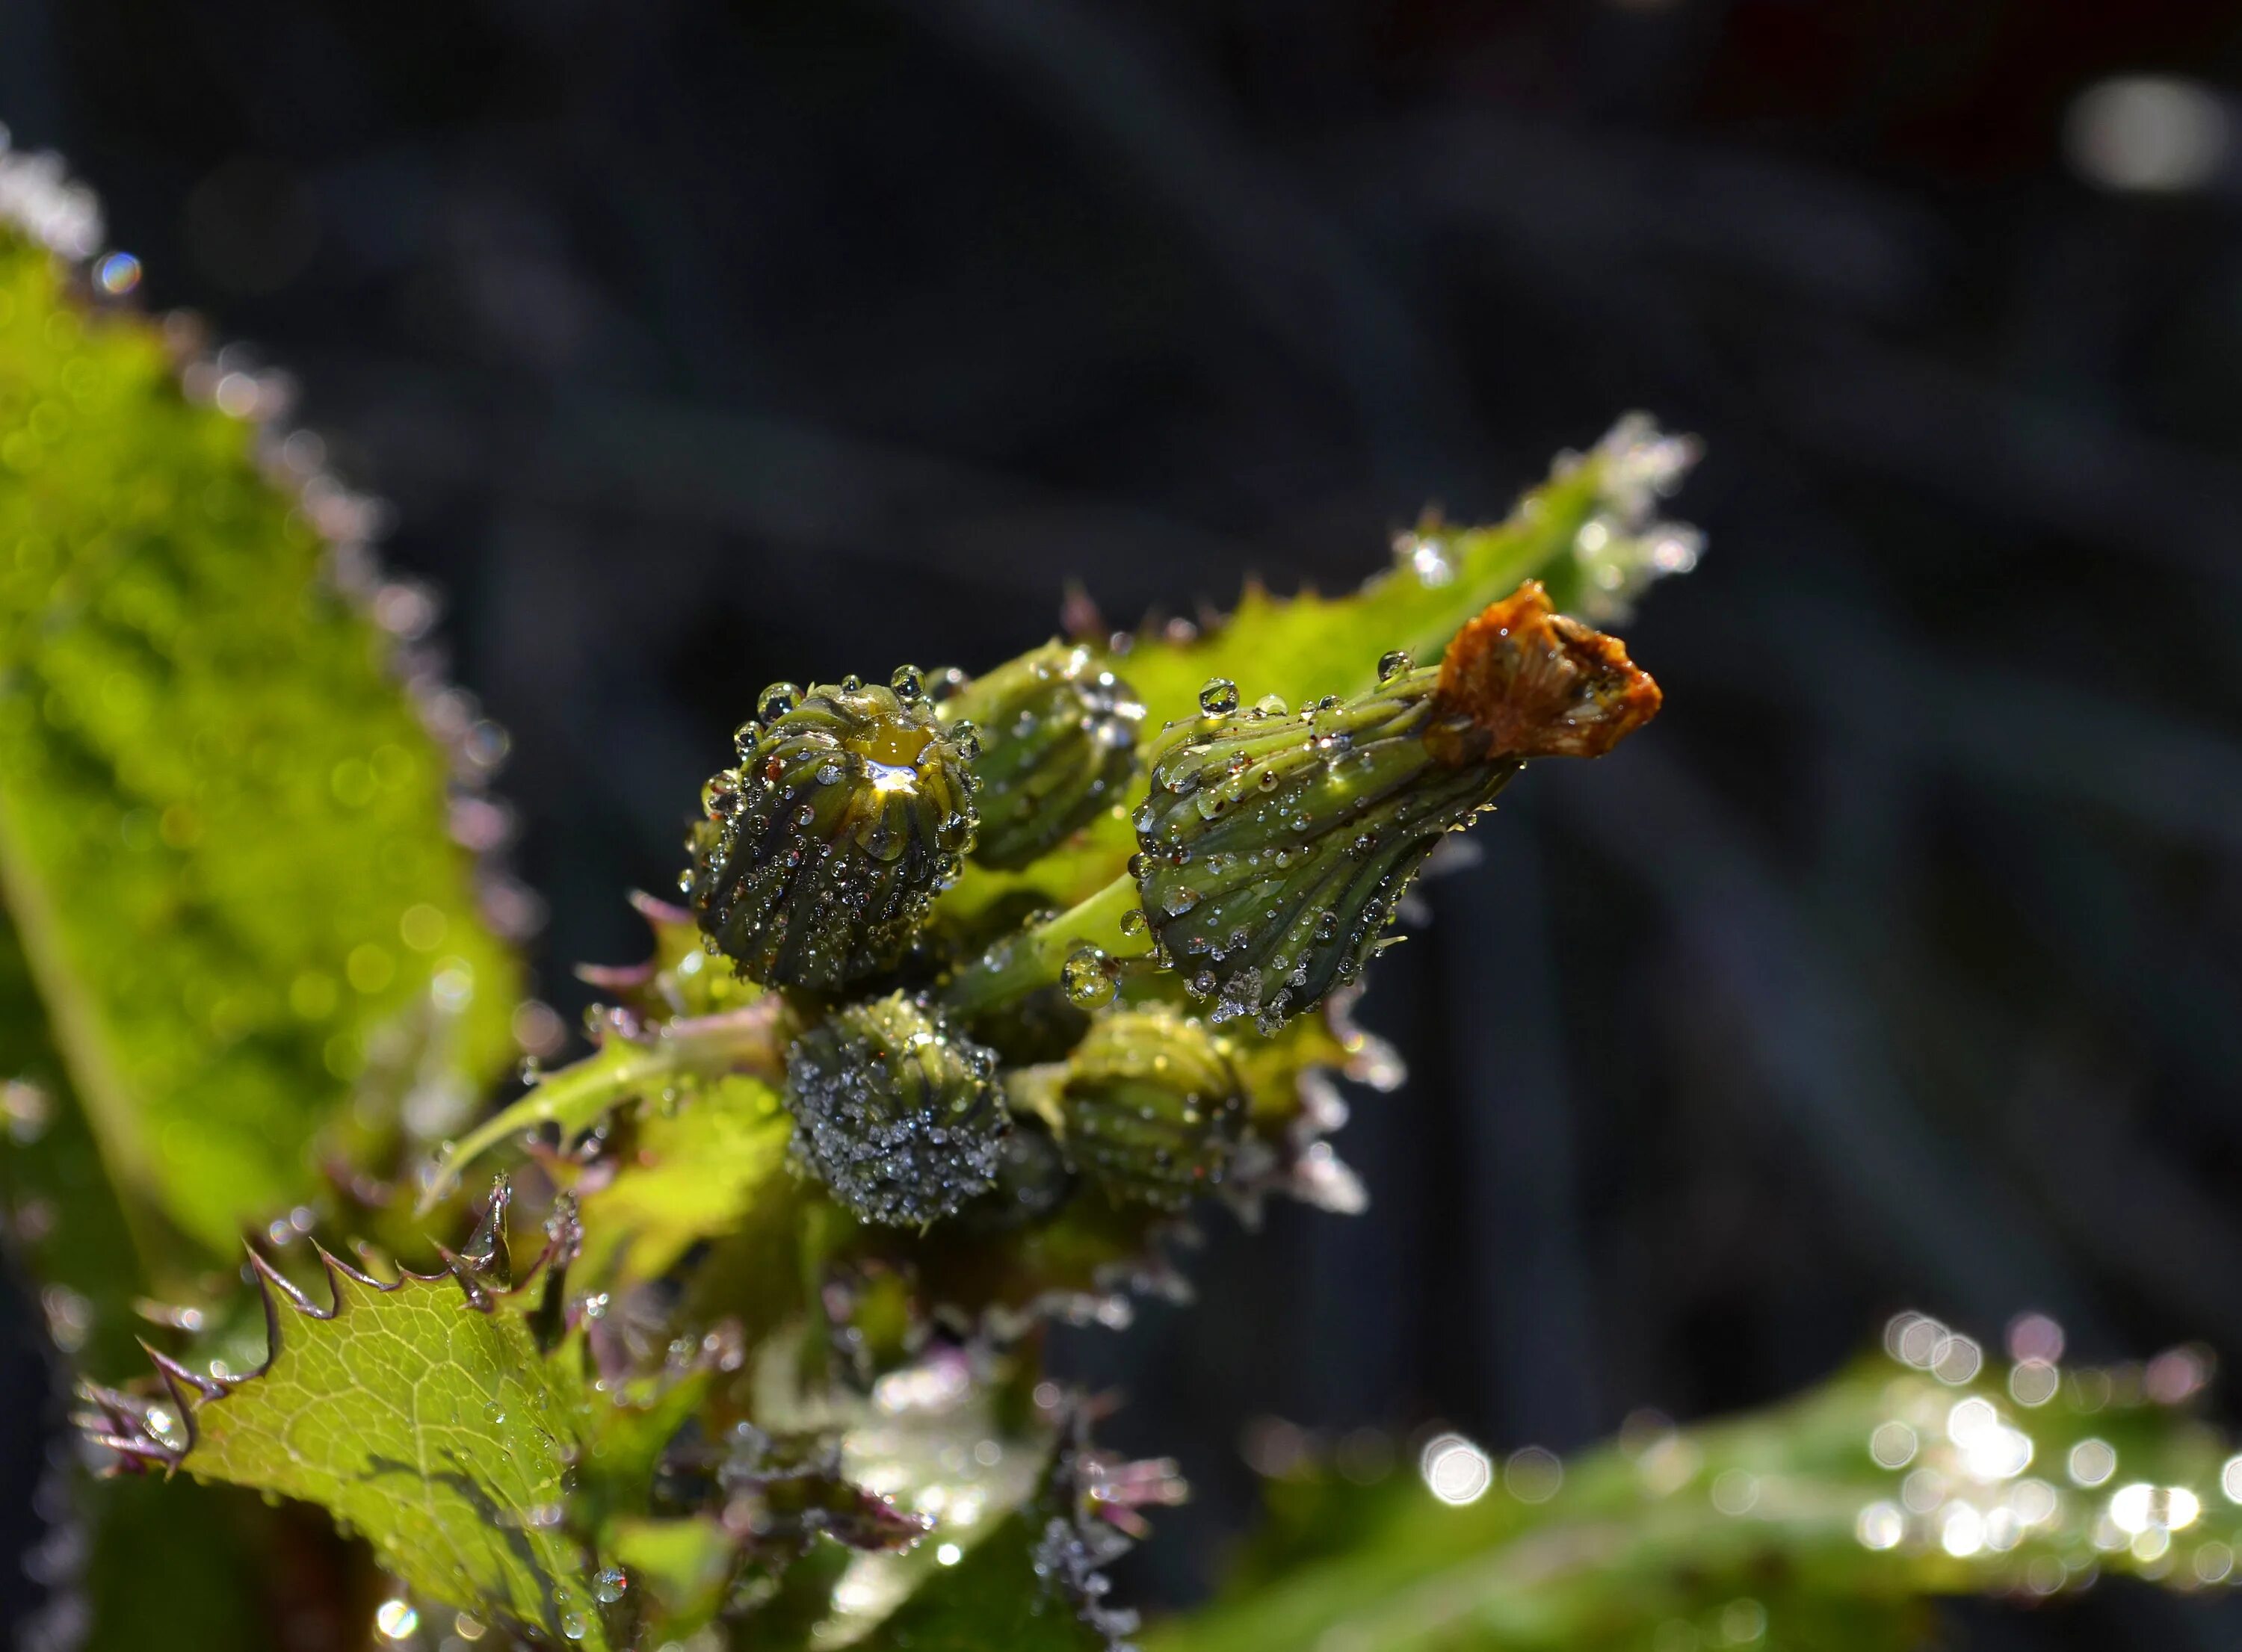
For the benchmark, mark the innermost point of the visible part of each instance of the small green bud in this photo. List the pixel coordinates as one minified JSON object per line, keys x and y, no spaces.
{"x":895,"y":1113}
{"x":1033,"y":1180}
{"x":1275,"y":847}
{"x":822,"y":853}
{"x":1058,"y":743}
{"x":1149,"y":1107}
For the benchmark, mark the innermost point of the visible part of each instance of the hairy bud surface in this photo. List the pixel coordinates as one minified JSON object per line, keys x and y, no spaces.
{"x":822,"y":851}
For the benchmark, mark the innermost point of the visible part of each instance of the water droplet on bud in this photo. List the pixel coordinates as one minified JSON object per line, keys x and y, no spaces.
{"x":1088,"y":978}
{"x":909,"y":682}
{"x":1393,"y":664}
{"x":1219,"y":697}
{"x":777,"y":700}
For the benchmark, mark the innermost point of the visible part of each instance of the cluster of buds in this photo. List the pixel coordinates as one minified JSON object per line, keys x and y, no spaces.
{"x":1272,"y":848}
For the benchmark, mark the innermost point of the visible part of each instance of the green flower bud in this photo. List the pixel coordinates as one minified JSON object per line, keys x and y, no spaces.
{"x":896,"y":1113}
{"x":1275,"y":847}
{"x":1059,"y":734}
{"x":1149,"y":1107}
{"x":1033,"y":1180}
{"x":822,"y":851}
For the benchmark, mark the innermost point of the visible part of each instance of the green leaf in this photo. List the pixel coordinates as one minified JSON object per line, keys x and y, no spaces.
{"x":704,"y":1164}
{"x":684,"y":1565}
{"x":666,"y":1062}
{"x":993,"y":1597}
{"x":432,"y":1426}
{"x":223,"y":824}
{"x":73,"y":1235}
{"x":1800,"y":1523}
{"x":1589,"y":532}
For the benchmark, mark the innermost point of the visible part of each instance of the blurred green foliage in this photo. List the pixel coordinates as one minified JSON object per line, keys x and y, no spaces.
{"x":223,"y":844}
{"x":1829,"y":1522}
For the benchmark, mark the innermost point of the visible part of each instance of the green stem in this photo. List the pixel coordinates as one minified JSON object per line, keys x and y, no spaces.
{"x":1035,"y":960}
{"x":750,"y":1040}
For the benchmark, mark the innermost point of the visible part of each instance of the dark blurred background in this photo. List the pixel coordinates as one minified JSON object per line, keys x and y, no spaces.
{"x":1900,"y":965}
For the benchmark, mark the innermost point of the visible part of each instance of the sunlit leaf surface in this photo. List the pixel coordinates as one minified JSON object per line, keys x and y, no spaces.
{"x":432,"y":1426}
{"x":223,"y":820}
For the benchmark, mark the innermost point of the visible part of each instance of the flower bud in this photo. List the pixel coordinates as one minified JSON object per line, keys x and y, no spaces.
{"x":1148,"y":1107}
{"x":823,"y":850}
{"x":1033,"y":1180}
{"x":1058,"y":743}
{"x":1275,"y":847}
{"x":899,"y":1116}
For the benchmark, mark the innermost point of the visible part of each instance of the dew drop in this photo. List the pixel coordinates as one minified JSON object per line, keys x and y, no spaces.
{"x":777,"y":700}
{"x":1393,"y":664}
{"x":1132,"y":922}
{"x":909,"y":682}
{"x":610,"y":1584}
{"x":1219,"y":697}
{"x":396,"y":1620}
{"x":1088,"y":978}
{"x":573,"y":1625}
